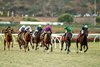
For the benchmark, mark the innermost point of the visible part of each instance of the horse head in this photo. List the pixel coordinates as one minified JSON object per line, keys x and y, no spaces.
{"x":85,"y":32}
{"x":9,"y":32}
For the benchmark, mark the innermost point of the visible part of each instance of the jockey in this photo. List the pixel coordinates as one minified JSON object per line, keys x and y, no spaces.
{"x":28,"y":29}
{"x":68,"y":29}
{"x":85,"y":27}
{"x":39,"y":28}
{"x":47,"y":29}
{"x":21,"y":30}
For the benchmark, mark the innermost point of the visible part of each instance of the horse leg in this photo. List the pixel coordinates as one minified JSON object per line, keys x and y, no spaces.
{"x":46,"y":47}
{"x":25,"y":46}
{"x":62,"y":42}
{"x":8,"y":43}
{"x":77,"y":45}
{"x":36,"y":46}
{"x":51,"y":47}
{"x":4,"y":45}
{"x":31,"y":45}
{"x":68,"y":50}
{"x":86,"y":48}
{"x":19,"y":42}
{"x":81,"y":47}
{"x":12,"y":44}
{"x":66,"y":46}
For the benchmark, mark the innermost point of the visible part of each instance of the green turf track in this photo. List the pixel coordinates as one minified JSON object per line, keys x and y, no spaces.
{"x":18,"y":58}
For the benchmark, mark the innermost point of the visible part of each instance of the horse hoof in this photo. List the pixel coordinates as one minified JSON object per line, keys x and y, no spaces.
{"x":84,"y":51}
{"x":80,"y":49}
{"x":65,"y":49}
{"x":32,"y":47}
{"x":4,"y":49}
{"x":20,"y":48}
{"x":67,"y":52}
{"x":28,"y":49}
{"x":12,"y":46}
{"x":77,"y":52}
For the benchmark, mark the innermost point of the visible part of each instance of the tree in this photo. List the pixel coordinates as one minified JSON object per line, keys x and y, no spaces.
{"x":97,"y":19}
{"x":65,"y":18}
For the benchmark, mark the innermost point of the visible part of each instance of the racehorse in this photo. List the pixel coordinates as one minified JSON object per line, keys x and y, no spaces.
{"x":46,"y":42}
{"x":27,"y":39}
{"x":21,"y":40}
{"x":66,"y":38}
{"x":83,"y":41}
{"x":8,"y":38}
{"x":37,"y":38}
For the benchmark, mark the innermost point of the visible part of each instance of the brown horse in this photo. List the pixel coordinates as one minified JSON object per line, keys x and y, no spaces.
{"x":83,"y":41}
{"x":8,"y":38}
{"x":66,"y":39}
{"x":47,"y":41}
{"x":37,"y":38}
{"x":21,"y":40}
{"x":27,"y":39}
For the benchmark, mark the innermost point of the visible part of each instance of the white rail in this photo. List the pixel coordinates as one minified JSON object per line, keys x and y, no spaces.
{"x":55,"y":37}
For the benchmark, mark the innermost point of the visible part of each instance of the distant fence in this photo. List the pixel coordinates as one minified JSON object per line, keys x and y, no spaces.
{"x":55,"y":38}
{"x":41,"y":23}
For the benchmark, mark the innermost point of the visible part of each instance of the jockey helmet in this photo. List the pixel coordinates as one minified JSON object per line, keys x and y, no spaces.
{"x":40,"y":26}
{"x":23,"y":26}
{"x":85,"y":26}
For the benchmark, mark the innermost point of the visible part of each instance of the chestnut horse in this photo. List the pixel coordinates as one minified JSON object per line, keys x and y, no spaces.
{"x":27,"y":39}
{"x":46,"y":42}
{"x":8,"y":38}
{"x":83,"y":41}
{"x":66,"y":39}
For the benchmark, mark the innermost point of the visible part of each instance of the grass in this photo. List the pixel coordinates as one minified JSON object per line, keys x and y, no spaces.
{"x":18,"y":58}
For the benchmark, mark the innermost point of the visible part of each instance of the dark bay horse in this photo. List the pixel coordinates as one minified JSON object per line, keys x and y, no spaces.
{"x":27,"y":39}
{"x":83,"y":41}
{"x":66,"y":38}
{"x":37,"y":38}
{"x":47,"y":41}
{"x":8,"y":38}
